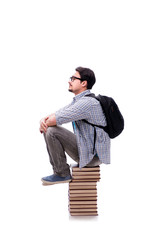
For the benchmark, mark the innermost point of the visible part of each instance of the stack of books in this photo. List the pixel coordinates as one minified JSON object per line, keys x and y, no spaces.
{"x":83,"y":191}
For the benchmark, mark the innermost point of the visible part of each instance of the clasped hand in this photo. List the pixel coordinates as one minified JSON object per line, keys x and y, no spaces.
{"x":47,"y":122}
{"x":43,"y":125}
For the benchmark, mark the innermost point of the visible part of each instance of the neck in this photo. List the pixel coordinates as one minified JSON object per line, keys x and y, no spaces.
{"x":80,"y":91}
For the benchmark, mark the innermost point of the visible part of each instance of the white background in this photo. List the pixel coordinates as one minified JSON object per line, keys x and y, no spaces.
{"x":41,"y":44}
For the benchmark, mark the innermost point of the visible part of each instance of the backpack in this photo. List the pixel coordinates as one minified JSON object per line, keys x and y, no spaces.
{"x":114,"y":118}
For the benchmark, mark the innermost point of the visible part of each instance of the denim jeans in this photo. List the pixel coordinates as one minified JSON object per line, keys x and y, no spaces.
{"x":60,"y":141}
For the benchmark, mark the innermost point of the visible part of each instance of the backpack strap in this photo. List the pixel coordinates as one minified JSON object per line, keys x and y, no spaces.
{"x":93,"y":125}
{"x":95,"y":134}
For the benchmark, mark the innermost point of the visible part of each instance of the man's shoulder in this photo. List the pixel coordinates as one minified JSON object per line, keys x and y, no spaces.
{"x":90,"y":99}
{"x":86,"y":99}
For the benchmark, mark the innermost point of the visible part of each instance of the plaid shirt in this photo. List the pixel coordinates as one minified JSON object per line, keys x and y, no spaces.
{"x":86,"y":108}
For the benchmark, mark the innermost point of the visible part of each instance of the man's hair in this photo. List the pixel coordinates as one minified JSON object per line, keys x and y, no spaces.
{"x":87,"y":75}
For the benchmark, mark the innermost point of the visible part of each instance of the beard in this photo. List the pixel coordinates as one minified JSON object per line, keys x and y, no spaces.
{"x":70,"y":90}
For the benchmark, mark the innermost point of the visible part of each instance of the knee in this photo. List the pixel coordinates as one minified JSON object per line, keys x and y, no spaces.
{"x":51,"y":132}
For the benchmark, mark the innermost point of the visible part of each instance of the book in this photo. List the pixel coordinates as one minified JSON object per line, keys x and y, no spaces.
{"x":82,"y":202}
{"x":82,"y":194}
{"x":84,"y":180}
{"x":85,"y":173}
{"x":83,"y":191}
{"x":82,"y":210}
{"x":82,"y":187}
{"x":85,"y":169}
{"x":85,"y":176}
{"x":78,"y":206}
{"x":80,"y":183}
{"x":82,"y":198}
{"x":84,"y":214}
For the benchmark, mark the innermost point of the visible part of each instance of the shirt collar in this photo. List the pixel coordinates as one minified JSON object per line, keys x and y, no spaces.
{"x":78,"y":96}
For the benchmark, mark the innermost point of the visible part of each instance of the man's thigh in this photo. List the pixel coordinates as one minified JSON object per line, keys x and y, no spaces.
{"x":67,"y":140}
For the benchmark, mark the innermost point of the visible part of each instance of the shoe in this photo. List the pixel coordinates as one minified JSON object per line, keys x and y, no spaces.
{"x":54,"y":179}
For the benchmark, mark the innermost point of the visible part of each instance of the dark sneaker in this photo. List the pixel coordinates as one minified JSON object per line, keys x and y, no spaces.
{"x":53,"y":179}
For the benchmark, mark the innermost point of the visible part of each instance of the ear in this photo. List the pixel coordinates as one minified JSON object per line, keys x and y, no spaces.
{"x":84,"y":83}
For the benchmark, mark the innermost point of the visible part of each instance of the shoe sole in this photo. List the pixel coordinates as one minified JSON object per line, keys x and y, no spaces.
{"x":52,"y":183}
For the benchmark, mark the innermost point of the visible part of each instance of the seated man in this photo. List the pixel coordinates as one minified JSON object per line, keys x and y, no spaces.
{"x":79,"y":145}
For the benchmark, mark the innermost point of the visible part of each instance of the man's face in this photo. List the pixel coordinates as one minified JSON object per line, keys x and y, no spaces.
{"x":75,"y":85}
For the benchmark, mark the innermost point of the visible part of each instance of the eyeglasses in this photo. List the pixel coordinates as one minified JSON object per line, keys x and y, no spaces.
{"x":75,"y":78}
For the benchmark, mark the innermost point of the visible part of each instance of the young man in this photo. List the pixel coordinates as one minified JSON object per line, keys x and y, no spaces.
{"x":80,"y":144}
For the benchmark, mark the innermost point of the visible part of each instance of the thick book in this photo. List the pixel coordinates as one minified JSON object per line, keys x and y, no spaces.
{"x":83,"y":187}
{"x":85,"y":169}
{"x":82,"y":202}
{"x":86,"y":176}
{"x":82,"y":210}
{"x":83,"y":198}
{"x":82,"y":194}
{"x":83,"y":206}
{"x":84,"y":180}
{"x":82,"y":184}
{"x":85,"y":173}
{"x":83,"y":191}
{"x":84,"y":214}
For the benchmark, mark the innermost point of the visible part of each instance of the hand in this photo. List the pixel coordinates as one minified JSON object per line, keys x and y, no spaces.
{"x":43,"y":125}
{"x":51,"y":120}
